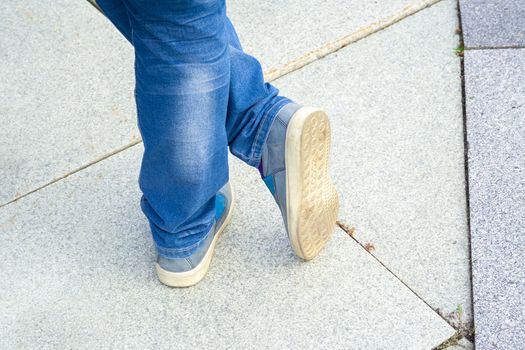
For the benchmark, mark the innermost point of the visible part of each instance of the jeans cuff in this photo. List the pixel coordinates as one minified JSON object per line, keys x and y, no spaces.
{"x":264,"y":130}
{"x":183,"y":252}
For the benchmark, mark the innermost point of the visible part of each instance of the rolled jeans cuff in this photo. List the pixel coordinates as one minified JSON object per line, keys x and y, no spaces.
{"x":264,"y":129}
{"x":181,"y":252}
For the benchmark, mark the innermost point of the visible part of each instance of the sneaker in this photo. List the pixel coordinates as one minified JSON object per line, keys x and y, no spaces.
{"x":294,"y":166}
{"x":185,"y":272}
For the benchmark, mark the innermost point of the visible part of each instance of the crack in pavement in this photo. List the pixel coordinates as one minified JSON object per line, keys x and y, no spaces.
{"x":350,"y":232}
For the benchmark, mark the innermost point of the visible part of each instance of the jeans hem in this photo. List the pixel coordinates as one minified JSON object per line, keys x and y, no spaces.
{"x":264,"y":130}
{"x":182,"y":252}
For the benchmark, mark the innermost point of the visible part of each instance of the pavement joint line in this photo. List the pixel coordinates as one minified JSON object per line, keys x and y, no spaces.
{"x":271,"y":74}
{"x":74,"y":171}
{"x":333,"y":46}
{"x":450,"y":342}
{"x":478,"y":48}
{"x":352,"y":236}
{"x":465,"y":154}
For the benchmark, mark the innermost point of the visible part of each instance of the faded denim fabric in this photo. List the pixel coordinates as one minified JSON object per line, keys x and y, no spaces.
{"x":197,"y":93}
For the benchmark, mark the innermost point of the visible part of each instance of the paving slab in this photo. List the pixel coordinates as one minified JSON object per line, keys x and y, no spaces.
{"x":277,"y":31}
{"x":489,"y":23}
{"x":77,"y":272}
{"x":495,"y":102}
{"x":66,"y":97}
{"x":398,"y":155}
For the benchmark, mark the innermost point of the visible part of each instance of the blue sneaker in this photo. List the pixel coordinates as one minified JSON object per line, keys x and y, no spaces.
{"x":185,"y":272}
{"x":294,"y":166}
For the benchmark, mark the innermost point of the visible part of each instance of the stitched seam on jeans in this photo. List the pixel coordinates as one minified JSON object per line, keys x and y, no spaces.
{"x":283,"y":103}
{"x":178,"y":250}
{"x":185,"y":249}
{"x":278,"y":117}
{"x":254,"y":154}
{"x":254,"y":146}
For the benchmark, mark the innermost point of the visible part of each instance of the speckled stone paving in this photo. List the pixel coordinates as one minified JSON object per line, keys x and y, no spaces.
{"x":77,"y":257}
{"x":496,"y":137}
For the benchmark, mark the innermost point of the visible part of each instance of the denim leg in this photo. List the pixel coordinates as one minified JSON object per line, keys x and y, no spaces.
{"x":186,"y":86}
{"x":252,"y":105}
{"x":182,"y":70}
{"x":117,"y":13}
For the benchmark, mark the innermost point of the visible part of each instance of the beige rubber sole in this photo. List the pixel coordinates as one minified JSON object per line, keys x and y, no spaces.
{"x":194,"y":276}
{"x":312,"y":200}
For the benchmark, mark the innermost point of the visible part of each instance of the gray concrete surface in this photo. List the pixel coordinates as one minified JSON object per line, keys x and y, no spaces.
{"x":495,"y":100}
{"x":66,"y":92}
{"x":395,"y":103}
{"x":278,"y":31}
{"x":66,"y":97}
{"x":77,"y":272}
{"x":77,"y":255}
{"x":488,"y":23}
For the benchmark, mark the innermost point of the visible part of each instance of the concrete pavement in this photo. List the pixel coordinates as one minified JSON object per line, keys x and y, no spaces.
{"x":76,"y":249}
{"x":495,"y":115}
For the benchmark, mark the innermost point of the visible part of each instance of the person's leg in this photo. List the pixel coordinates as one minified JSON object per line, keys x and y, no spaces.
{"x":182,"y":67}
{"x":117,"y":13}
{"x":252,"y":103}
{"x":289,"y":145}
{"x":252,"y":106}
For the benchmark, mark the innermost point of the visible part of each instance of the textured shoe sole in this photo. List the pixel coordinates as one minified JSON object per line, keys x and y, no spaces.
{"x":195,"y":275}
{"x":312,"y":200}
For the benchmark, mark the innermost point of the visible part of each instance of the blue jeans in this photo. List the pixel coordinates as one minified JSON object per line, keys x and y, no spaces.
{"x":197,"y":93}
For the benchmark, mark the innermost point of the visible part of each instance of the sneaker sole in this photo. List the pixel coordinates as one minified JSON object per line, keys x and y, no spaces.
{"x":195,"y":275}
{"x":312,"y":200}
